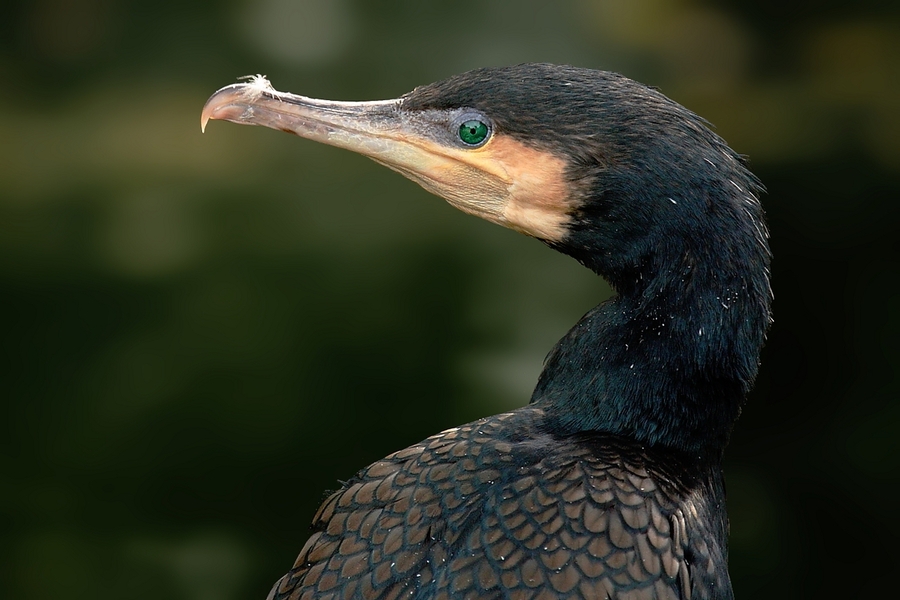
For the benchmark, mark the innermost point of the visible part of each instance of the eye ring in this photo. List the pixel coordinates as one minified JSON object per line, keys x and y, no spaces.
{"x":473,"y":132}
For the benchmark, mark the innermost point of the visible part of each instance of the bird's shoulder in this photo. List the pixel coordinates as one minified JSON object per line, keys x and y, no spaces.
{"x":500,"y":508}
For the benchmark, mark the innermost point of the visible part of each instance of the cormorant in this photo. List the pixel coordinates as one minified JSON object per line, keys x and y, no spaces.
{"x":609,"y":483}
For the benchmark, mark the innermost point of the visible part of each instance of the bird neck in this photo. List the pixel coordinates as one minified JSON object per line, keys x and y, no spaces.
{"x":668,"y":361}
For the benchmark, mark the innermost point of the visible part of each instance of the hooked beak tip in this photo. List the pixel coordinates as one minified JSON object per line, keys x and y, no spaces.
{"x":209,"y":110}
{"x":230,"y":96}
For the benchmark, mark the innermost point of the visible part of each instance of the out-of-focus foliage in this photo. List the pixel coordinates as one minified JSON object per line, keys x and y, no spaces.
{"x":203,"y":333}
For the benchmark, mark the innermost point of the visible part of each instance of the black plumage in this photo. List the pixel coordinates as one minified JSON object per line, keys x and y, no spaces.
{"x":608,"y":484}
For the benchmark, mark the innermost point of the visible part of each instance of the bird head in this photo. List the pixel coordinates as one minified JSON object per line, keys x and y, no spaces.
{"x":593,"y":164}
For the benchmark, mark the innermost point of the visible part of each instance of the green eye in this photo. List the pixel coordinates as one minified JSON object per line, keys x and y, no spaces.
{"x":473,"y":132}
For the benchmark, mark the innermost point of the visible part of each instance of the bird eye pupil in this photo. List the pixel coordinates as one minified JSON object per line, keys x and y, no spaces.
{"x":473,"y":132}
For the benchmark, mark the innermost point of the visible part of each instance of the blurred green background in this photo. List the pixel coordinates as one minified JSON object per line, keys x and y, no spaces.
{"x":203,"y":333}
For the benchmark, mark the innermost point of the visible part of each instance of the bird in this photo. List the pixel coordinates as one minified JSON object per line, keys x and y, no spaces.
{"x":608,"y":483}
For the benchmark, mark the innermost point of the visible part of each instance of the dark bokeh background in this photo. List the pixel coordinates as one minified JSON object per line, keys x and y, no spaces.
{"x":203,"y":333}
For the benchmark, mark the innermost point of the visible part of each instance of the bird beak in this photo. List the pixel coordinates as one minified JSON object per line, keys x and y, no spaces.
{"x":368,"y":128}
{"x":491,"y":181}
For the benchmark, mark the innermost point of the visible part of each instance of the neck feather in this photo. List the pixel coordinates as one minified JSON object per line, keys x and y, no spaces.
{"x":670,"y":360}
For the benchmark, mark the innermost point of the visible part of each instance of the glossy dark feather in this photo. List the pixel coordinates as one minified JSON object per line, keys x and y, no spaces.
{"x":502,"y":508}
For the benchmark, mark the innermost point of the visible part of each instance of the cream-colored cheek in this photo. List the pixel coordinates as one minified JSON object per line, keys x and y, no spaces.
{"x":539,"y":201}
{"x":536,"y":222}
